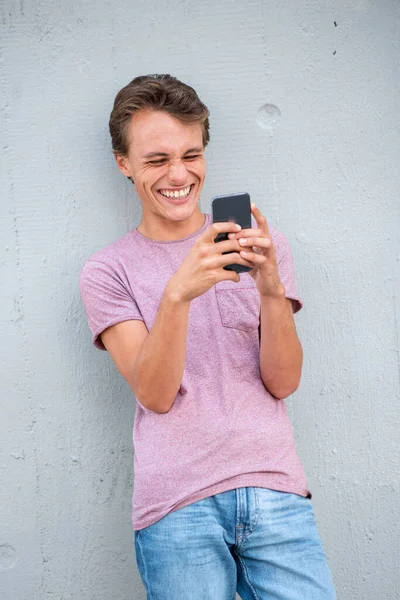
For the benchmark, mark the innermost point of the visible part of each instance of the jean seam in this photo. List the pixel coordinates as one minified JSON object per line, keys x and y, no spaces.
{"x":255,"y":520}
{"x":245,"y":573}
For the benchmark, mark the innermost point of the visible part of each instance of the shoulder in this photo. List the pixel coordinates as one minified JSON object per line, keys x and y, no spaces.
{"x":113,"y":258}
{"x":277,"y":236}
{"x":281,"y":243}
{"x":115,"y":251}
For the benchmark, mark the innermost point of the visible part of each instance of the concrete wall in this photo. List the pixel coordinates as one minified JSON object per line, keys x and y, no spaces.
{"x":326,"y":171}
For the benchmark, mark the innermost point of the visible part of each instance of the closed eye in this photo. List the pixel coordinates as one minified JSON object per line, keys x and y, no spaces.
{"x":161,"y":161}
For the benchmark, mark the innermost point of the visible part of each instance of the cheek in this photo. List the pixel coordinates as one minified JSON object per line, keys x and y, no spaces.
{"x":149,"y":177}
{"x":200,"y":170}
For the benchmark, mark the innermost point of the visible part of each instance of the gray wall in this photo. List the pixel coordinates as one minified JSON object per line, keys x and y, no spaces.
{"x":325,"y":172}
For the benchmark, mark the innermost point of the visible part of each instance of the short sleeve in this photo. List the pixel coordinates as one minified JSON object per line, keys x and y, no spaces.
{"x":286,"y":269}
{"x":106,"y":299}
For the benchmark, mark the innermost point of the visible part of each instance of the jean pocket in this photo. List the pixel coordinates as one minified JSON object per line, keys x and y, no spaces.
{"x":239,"y":306}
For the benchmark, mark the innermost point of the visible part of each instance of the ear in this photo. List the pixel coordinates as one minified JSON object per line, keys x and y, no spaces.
{"x":123,"y":165}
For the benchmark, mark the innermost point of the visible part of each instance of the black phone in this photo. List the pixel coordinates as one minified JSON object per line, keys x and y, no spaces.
{"x":235,"y":208}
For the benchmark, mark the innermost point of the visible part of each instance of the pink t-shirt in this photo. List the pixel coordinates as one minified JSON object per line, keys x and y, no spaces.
{"x":224,"y":430}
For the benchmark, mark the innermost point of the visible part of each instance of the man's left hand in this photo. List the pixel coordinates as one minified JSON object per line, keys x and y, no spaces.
{"x":259,"y":249}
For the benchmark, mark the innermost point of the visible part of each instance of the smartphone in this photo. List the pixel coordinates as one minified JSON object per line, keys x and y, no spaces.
{"x":235,"y":208}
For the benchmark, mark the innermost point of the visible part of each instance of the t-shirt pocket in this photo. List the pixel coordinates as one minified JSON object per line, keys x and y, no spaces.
{"x":238,"y":304}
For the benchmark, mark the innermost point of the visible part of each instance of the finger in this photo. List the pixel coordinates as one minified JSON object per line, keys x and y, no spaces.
{"x":246,"y":233}
{"x":225,"y":246}
{"x":253,"y":257}
{"x":225,"y":275}
{"x":211,"y":232}
{"x":233,"y":258}
{"x":259,"y":217}
{"x":259,"y":242}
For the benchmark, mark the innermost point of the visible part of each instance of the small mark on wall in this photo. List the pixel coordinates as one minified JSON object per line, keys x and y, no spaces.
{"x":268,"y":116}
{"x":335,"y":24}
{"x":8,"y":557}
{"x":302,"y":238}
{"x":18,"y":454}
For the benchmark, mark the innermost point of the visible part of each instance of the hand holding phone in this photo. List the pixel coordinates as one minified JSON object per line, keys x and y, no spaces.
{"x":204,"y":265}
{"x":234,"y":208}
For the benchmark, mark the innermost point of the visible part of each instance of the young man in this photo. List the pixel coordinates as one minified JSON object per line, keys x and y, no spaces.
{"x":220,"y":502}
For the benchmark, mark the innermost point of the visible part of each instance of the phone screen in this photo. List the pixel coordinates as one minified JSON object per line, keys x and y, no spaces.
{"x":235,"y":208}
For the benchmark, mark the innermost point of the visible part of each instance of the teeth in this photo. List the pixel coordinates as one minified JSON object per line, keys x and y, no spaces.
{"x":180,"y":194}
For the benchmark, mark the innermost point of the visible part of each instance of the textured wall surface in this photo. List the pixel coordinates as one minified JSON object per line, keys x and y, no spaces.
{"x":323,"y":166}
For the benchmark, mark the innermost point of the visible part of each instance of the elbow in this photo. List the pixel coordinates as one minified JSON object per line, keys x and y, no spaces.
{"x":152,"y":404}
{"x":281,"y":384}
{"x":159,"y":404}
{"x":281,"y":390}
{"x":146,"y":396}
{"x":162,"y":410}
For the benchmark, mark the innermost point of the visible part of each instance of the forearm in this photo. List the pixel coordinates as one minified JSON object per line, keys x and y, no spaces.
{"x":159,"y":367}
{"x":281,"y":355}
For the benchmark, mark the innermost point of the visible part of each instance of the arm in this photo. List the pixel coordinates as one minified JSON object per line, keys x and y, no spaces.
{"x":152,"y":363}
{"x":281,"y":354}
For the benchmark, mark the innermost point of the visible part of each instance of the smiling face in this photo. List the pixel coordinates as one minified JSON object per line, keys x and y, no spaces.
{"x":166,"y":162}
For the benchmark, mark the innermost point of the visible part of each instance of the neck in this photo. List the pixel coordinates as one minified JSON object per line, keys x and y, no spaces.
{"x":168,"y":230}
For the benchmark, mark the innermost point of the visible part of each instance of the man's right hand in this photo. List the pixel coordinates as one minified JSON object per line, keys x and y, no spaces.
{"x":153,"y":361}
{"x":203,"y":266}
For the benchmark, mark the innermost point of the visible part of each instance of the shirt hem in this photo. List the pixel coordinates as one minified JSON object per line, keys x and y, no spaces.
{"x":248,"y":480}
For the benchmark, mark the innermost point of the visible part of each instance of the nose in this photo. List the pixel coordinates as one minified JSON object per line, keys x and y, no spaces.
{"x":177,"y":173}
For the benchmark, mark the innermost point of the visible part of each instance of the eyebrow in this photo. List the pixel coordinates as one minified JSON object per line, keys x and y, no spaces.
{"x":164,"y":155}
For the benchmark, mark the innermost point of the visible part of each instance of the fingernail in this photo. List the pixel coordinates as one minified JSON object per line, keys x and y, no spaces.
{"x":238,"y":226}
{"x":231,"y":235}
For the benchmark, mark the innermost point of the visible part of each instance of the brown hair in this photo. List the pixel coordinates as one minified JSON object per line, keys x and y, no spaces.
{"x":155,"y":92}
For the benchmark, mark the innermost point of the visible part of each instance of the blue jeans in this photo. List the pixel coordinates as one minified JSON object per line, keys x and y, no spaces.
{"x":257,"y":542}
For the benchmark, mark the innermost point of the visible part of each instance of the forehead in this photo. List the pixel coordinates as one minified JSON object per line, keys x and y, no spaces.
{"x":157,"y":131}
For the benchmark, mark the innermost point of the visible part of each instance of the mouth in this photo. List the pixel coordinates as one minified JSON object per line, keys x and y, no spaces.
{"x":177,"y":196}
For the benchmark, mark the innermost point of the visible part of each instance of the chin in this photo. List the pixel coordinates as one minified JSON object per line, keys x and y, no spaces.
{"x":181,"y":213}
